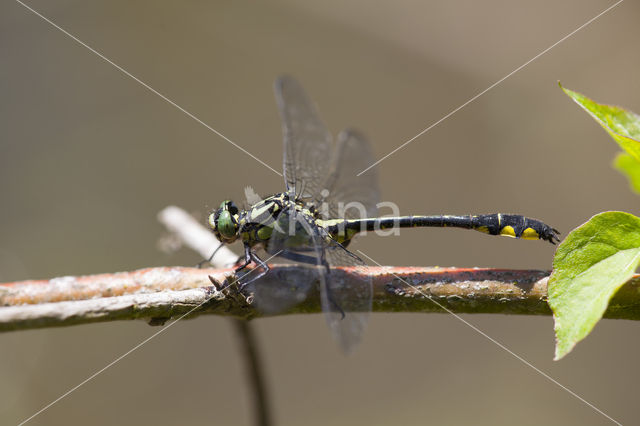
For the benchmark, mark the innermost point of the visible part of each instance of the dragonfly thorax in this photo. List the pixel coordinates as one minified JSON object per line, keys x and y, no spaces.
{"x":259,"y":221}
{"x":256,"y":224}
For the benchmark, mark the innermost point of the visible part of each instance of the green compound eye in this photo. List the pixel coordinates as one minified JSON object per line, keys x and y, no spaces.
{"x":212,"y":221}
{"x":229,"y":205}
{"x":226,"y":225}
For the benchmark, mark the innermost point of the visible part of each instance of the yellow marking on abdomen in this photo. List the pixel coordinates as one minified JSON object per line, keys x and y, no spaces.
{"x":530,"y":234}
{"x":330,"y":222}
{"x":482,"y":229}
{"x":508,"y":231}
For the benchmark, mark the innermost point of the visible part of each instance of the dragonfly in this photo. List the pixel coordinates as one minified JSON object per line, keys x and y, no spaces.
{"x":309,"y":223}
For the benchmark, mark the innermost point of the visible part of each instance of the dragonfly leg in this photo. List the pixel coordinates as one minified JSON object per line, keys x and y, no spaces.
{"x":203,"y":261}
{"x":261,"y":264}
{"x":246,"y":260}
{"x":243,"y":262}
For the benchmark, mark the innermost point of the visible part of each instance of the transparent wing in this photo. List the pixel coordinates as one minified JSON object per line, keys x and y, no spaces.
{"x":290,"y":241}
{"x":348,"y":195}
{"x":281,"y":289}
{"x":307,"y":142}
{"x":345,"y":296}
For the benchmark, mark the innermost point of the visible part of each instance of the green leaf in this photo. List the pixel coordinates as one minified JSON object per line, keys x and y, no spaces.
{"x":621,"y":124}
{"x":589,"y":267}
{"x":630,"y":167}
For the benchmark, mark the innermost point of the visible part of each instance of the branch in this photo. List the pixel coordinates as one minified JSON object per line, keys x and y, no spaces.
{"x":159,"y":294}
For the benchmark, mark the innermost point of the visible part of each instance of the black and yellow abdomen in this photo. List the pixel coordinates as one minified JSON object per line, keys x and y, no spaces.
{"x":509,"y":225}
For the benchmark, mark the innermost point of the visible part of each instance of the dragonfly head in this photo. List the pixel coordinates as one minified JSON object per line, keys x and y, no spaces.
{"x":224,"y":222}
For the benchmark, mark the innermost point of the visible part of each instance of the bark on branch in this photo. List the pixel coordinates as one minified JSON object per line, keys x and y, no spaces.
{"x":159,"y":294}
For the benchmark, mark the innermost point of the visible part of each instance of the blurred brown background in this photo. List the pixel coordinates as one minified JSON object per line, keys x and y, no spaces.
{"x":88,"y":157}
